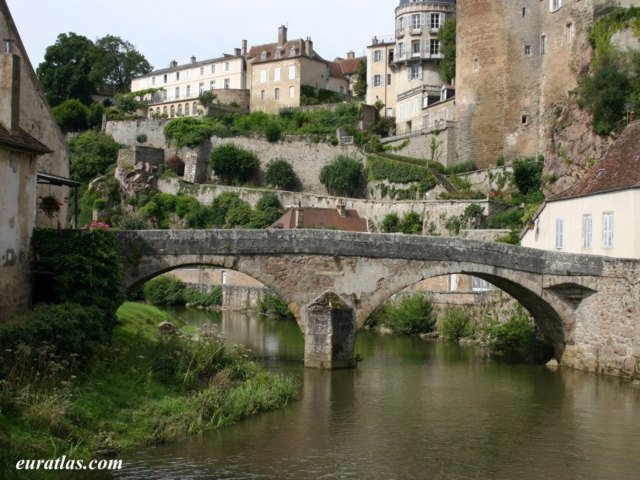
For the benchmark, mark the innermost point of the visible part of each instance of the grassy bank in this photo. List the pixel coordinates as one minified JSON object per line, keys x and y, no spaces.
{"x":145,"y":388}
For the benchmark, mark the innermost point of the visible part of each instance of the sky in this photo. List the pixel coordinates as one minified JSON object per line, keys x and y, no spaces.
{"x":163,"y":31}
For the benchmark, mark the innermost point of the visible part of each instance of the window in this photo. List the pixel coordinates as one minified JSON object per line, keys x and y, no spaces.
{"x":559,"y":233}
{"x":201,"y":88}
{"x":227,"y":66}
{"x":401,"y":53}
{"x":188,"y":91}
{"x":213,"y":68}
{"x":377,"y":55}
{"x":180,"y":110}
{"x":177,"y":92}
{"x":435,"y":21}
{"x":164,"y":78}
{"x":554,"y":5}
{"x":262,"y":95}
{"x":292,"y":72}
{"x":227,"y":83}
{"x":263,"y":76}
{"x":389,"y":112}
{"x":527,"y":50}
{"x":187,"y":110}
{"x":543,"y":44}
{"x":434,"y":47}
{"x":377,"y":80}
{"x":201,"y":71}
{"x":607,"y":229}
{"x":480,"y":285}
{"x":524,"y":12}
{"x":277,"y":73}
{"x":569,"y":33}
{"x":586,"y":230}
{"x":153,"y":80}
{"x":212,"y":85}
{"x":415,"y":72}
{"x":415,"y":48}
{"x":164,"y":94}
{"x":525,"y":119}
{"x":173,"y":111}
{"x":195,"y":108}
{"x":276,"y":94}
{"x":388,"y":79}
{"x":292,"y":92}
{"x":177,"y":75}
{"x":415,"y":21}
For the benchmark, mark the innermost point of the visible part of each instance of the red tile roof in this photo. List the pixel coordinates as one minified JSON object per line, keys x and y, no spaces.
{"x":349,"y":66}
{"x":619,"y":169}
{"x":326,"y":218}
{"x":22,"y":141}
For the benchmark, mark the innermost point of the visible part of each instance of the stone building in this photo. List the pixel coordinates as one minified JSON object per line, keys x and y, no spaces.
{"x":181,"y":85}
{"x":349,"y":68}
{"x":277,"y":73}
{"x":515,"y":63}
{"x":403,"y":70}
{"x":34,"y":165}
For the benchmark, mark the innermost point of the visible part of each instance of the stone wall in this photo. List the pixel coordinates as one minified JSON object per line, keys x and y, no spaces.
{"x":241,"y":298}
{"x":420,"y":143}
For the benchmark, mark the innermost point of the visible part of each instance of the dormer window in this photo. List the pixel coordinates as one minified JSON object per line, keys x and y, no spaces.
{"x":263,"y":55}
{"x":294,"y":51}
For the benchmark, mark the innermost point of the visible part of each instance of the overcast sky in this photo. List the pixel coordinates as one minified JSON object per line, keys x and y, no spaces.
{"x":163,"y":30}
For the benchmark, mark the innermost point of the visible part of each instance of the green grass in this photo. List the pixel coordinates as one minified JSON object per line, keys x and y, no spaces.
{"x":142,"y":389}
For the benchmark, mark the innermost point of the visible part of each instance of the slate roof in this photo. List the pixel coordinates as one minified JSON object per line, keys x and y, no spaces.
{"x":349,"y":66}
{"x":21,"y":141}
{"x":619,"y":169}
{"x":255,"y":52}
{"x":327,"y":218}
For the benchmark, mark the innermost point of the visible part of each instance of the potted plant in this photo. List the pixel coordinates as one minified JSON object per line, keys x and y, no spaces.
{"x":50,"y":205}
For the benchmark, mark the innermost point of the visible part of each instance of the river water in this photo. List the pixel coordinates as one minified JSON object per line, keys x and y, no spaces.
{"x":413,"y":409}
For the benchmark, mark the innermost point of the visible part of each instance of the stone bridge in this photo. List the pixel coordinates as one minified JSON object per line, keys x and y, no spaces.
{"x":586,"y":306}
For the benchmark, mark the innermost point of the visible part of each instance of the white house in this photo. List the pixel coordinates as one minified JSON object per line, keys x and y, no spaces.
{"x":600,"y":215}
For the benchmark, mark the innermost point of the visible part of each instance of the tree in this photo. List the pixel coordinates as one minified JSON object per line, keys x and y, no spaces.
{"x":117,"y":62}
{"x":447,"y":37}
{"x":234,"y":165}
{"x":343,"y":176}
{"x":66,"y":70}
{"x":280,"y":174}
{"x":71,"y":115}
{"x":92,"y":154}
{"x":360,"y":87}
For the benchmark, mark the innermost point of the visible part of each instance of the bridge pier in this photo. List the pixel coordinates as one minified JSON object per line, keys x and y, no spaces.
{"x":329,"y":333}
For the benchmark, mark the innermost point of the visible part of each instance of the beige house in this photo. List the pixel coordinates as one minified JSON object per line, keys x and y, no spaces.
{"x":277,"y":72}
{"x":349,"y":68}
{"x":182,"y":85}
{"x":600,"y":215}
{"x":32,"y":150}
{"x":403,"y":71}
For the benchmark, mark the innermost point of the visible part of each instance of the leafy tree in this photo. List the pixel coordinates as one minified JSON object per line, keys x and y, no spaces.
{"x":267,"y":201}
{"x":206,"y":99}
{"x":66,"y":70}
{"x":360,"y":86}
{"x":234,"y":165}
{"x":280,"y":174}
{"x":92,"y":153}
{"x":117,"y":62}
{"x":71,"y":115}
{"x":411,"y":315}
{"x":527,"y":174}
{"x":94,"y":115}
{"x":343,"y":176}
{"x":447,"y":37}
{"x":455,"y":324}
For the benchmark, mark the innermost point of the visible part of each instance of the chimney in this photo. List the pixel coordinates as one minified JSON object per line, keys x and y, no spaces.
{"x":193,"y":59}
{"x":308,"y":47}
{"x":282,"y":35}
{"x":244,"y":48}
{"x":173,"y":64}
{"x":10,"y":87}
{"x":351,"y":54}
{"x":237,"y":52}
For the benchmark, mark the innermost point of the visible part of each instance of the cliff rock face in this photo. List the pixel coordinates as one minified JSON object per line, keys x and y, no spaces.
{"x":573,"y":147}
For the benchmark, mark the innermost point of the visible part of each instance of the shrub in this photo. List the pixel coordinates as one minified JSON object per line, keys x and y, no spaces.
{"x":527,"y":174}
{"x":165,"y":290}
{"x":411,"y":315}
{"x":462,"y":167}
{"x":273,"y":306}
{"x":391,"y":223}
{"x":184,"y":205}
{"x":92,"y":154}
{"x":455,"y":324}
{"x":273,"y":132}
{"x":379,"y":168}
{"x":141,"y":138}
{"x":94,"y":115}
{"x":188,"y":131}
{"x":267,"y":201}
{"x":71,"y":115}
{"x":517,"y":340}
{"x":201,"y":299}
{"x":234,"y":165}
{"x":238,"y":216}
{"x":175,"y":163}
{"x":343,"y":176}
{"x":411,"y":223}
{"x":280,"y":174}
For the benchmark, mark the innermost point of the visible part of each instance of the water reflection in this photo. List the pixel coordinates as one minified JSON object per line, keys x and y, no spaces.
{"x":413,"y":409}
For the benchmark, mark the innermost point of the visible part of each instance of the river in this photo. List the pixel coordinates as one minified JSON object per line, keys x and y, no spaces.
{"x":413,"y":409}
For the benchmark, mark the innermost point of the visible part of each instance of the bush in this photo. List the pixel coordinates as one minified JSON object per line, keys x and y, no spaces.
{"x":379,"y":168}
{"x":141,"y":138}
{"x":390,"y":223}
{"x":527,"y":174}
{"x":411,"y":315}
{"x":92,"y":154}
{"x":273,"y":132}
{"x":188,"y":131}
{"x":165,"y":290}
{"x":175,"y":164}
{"x":201,"y":299}
{"x":462,"y":167}
{"x":71,"y":115}
{"x":94,"y":115}
{"x":455,"y":324}
{"x":411,"y":223}
{"x":273,"y":306}
{"x":517,"y":340}
{"x":343,"y":176}
{"x":280,"y":174}
{"x":234,"y":165}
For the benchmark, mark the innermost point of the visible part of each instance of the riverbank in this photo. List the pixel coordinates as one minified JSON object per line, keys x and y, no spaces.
{"x":145,"y":388}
